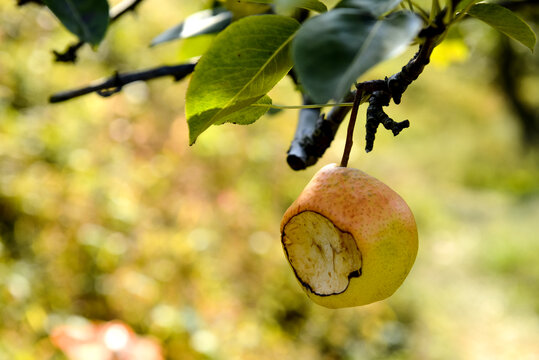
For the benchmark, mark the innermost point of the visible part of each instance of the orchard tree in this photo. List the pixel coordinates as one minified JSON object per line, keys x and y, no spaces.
{"x":349,"y":238}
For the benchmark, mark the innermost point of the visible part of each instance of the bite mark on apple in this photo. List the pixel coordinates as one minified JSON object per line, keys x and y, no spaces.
{"x":324,"y":257}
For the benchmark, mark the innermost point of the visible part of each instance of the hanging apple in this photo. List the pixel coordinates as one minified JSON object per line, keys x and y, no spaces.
{"x":350,"y":239}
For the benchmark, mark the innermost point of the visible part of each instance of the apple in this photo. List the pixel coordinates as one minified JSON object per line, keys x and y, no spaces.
{"x":350,"y":239}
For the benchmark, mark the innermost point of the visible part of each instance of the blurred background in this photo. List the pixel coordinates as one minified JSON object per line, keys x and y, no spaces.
{"x":106,"y":213}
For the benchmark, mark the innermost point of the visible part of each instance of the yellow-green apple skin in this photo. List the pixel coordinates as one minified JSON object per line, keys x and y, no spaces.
{"x":350,"y":239}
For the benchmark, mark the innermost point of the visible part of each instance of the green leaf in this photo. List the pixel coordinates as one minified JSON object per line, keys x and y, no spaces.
{"x":505,"y":21}
{"x":312,"y":5}
{"x":245,"y":61}
{"x":243,"y":8}
{"x":375,"y":7}
{"x":332,"y":50}
{"x":464,"y":4}
{"x":203,"y":22}
{"x":286,"y":6}
{"x":249,"y":114}
{"x":194,"y":47}
{"x":88,"y":19}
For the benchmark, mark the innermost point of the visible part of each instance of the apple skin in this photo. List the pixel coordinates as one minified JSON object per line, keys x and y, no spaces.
{"x":380,"y":222}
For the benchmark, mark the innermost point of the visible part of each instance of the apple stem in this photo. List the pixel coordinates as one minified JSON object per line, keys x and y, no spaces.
{"x":350,"y":132}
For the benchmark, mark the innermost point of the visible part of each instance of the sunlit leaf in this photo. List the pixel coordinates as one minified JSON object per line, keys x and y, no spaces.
{"x":249,"y":114}
{"x":243,"y":8}
{"x":245,"y":61}
{"x":505,"y":21}
{"x":464,"y":4}
{"x":375,"y":7}
{"x":194,"y":47}
{"x":203,"y":22}
{"x":332,"y":50}
{"x":88,"y":19}
{"x":313,"y":5}
{"x":286,"y":6}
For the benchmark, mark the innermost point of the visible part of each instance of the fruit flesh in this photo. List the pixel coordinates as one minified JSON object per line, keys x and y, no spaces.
{"x":323,"y":257}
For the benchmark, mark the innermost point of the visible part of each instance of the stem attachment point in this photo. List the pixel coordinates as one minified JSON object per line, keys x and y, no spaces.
{"x":350,"y":132}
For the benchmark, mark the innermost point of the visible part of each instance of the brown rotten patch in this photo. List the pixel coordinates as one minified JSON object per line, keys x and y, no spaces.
{"x":324,"y":257}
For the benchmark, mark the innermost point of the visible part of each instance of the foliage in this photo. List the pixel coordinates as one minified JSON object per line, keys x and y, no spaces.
{"x":88,"y":19}
{"x":329,"y":51}
{"x":209,"y":21}
{"x":504,"y":21}
{"x":332,"y":50}
{"x":245,"y":62}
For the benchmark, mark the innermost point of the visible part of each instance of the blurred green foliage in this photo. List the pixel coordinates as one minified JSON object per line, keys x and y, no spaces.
{"x":107,"y":213}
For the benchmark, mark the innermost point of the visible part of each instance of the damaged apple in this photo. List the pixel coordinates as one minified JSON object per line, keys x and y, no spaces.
{"x":350,"y":239}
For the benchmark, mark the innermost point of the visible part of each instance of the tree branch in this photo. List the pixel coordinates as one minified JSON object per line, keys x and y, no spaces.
{"x":297,"y":154}
{"x":314,"y":134}
{"x":311,"y":141}
{"x":70,"y":53}
{"x":115,"y":83}
{"x":377,"y":116}
{"x":24,"y":2}
{"x":122,"y":8}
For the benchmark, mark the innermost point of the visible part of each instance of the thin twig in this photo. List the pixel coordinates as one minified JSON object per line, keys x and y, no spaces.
{"x":114,"y":84}
{"x":24,"y":2}
{"x":70,"y":53}
{"x":304,"y":106}
{"x":421,"y":12}
{"x":119,"y":10}
{"x":350,"y":132}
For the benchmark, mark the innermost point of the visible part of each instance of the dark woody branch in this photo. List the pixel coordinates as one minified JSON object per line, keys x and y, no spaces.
{"x":70,"y":53}
{"x":24,"y":2}
{"x":114,"y":84}
{"x":122,"y":8}
{"x":395,"y":86}
{"x":314,"y":137}
{"x":314,"y":134}
{"x":377,"y":116}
